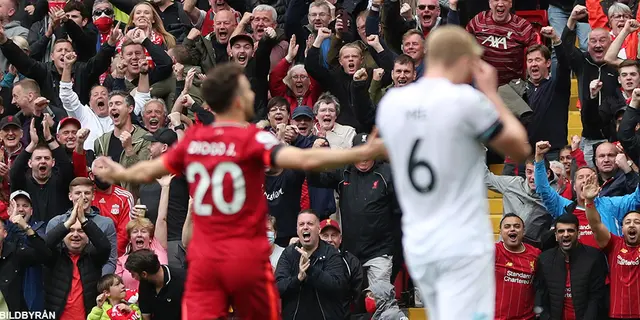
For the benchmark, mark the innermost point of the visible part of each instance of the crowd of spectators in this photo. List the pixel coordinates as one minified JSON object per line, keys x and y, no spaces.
{"x":122,"y":78}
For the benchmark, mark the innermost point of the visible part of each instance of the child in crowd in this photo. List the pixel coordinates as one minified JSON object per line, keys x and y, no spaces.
{"x":114,"y":301}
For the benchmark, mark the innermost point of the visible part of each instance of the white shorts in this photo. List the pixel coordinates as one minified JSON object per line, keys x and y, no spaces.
{"x":460,"y":289}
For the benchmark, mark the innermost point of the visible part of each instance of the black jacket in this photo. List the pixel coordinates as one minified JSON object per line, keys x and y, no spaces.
{"x":586,"y":70}
{"x":13,"y":262}
{"x":53,"y":196}
{"x":84,"y":39}
{"x":320,"y":295}
{"x":588,"y":271}
{"x":85,"y":74}
{"x":355,"y":278}
{"x":339,"y":84}
{"x":59,"y":268}
{"x":367,"y":204}
{"x":257,"y":71}
{"x":627,"y":135}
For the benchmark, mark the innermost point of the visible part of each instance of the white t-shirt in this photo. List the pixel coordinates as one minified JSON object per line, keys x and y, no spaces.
{"x":433,"y":130}
{"x":275,"y":256}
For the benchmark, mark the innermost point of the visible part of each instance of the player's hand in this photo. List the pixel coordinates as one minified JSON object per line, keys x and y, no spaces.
{"x":590,"y":188}
{"x":542,"y":147}
{"x":575,"y":143}
{"x":486,"y":77}
{"x":360,"y":75}
{"x":578,"y":13}
{"x":594,"y":87}
{"x":107,"y":170}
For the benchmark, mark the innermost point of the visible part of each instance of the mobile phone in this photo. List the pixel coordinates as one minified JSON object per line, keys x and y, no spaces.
{"x":142,"y":209}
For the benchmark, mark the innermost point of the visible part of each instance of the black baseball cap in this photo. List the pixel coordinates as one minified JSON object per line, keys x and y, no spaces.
{"x":360,"y":138}
{"x":241,"y":36}
{"x":9,"y":121}
{"x":302,"y":111}
{"x":163,"y":135}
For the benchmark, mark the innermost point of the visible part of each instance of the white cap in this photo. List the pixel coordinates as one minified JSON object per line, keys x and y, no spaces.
{"x":20,"y":193}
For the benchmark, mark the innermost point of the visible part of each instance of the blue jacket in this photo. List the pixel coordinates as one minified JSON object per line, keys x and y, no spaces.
{"x":611,"y":209}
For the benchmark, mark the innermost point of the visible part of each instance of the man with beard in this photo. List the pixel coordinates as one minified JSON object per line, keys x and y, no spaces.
{"x":159,"y":142}
{"x":256,"y":65}
{"x":116,"y":203}
{"x":42,"y":182}
{"x":588,"y":66}
{"x":571,"y":277}
{"x":403,"y":73}
{"x":125,"y":144}
{"x":515,"y":264}
{"x":547,"y":93}
{"x":612,"y":209}
{"x":622,"y":254}
{"x":504,"y":36}
{"x":615,"y":175}
{"x":95,"y":116}
{"x":11,"y":148}
{"x":338,"y":80}
{"x":211,"y":48}
{"x":367,"y":207}
{"x":262,"y":17}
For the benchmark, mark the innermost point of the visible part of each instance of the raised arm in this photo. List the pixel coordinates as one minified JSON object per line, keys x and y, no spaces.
{"x":553,"y":202}
{"x":611,"y":57}
{"x":590,"y":191}
{"x":163,"y":209}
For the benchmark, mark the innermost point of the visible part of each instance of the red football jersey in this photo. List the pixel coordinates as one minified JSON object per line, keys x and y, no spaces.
{"x":586,"y":234}
{"x":224,"y":164}
{"x":569,"y":313}
{"x":624,"y":266}
{"x":515,"y":293}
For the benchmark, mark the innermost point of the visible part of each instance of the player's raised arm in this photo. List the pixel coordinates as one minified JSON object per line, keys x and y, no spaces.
{"x":141,"y":172}
{"x":509,"y":137}
{"x":590,"y":191}
{"x":325,"y":158}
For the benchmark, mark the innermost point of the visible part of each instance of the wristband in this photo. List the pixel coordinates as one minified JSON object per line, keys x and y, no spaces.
{"x":590,"y":205}
{"x":50,"y":140}
{"x":179,"y":127}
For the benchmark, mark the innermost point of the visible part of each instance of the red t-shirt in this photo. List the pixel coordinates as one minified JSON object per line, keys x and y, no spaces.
{"x":515,"y":293}
{"x":504,"y":43}
{"x":224,"y":164}
{"x":74,"y":309}
{"x":569,"y":313}
{"x":586,"y":234}
{"x":624,"y":266}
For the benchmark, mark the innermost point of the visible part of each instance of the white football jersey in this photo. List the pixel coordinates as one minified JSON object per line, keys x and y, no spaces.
{"x":433,"y":130}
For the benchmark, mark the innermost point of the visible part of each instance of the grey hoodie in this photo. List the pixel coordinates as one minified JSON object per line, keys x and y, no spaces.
{"x":386,"y":305}
{"x":12,"y":29}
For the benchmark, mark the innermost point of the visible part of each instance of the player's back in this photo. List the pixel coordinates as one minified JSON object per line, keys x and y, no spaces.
{"x":224,"y":165}
{"x":431,"y":129}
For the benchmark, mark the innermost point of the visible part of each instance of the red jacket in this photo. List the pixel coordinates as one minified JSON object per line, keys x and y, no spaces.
{"x":278,"y":88}
{"x":598,"y":19}
{"x":117,"y":206}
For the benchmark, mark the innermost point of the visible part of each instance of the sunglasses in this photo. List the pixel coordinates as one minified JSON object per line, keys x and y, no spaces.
{"x":108,"y":12}
{"x":424,"y":6}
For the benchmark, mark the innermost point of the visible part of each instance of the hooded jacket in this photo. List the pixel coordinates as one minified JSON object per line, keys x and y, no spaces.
{"x":12,"y":29}
{"x":386,"y":304}
{"x":319,"y":296}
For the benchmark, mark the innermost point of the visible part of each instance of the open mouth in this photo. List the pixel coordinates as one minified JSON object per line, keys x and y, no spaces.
{"x":242,"y":58}
{"x":500,"y":11}
{"x":630,"y":84}
{"x":402,"y":82}
{"x":512,"y":236}
{"x":566,"y":242}
{"x":10,"y":137}
{"x":317,"y":24}
{"x":42,"y":169}
{"x":303,"y":127}
{"x":100,"y":103}
{"x":115,"y":115}
{"x":278,"y":118}
{"x":153,"y":123}
{"x":351,"y":67}
{"x":327,"y":120}
{"x":620,"y":24}
{"x":306,"y":236}
{"x":632,"y":233}
{"x":139,"y":243}
{"x":222,"y":34}
{"x":426,"y":17}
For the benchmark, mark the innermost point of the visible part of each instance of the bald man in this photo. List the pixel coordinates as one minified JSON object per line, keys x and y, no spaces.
{"x":615,"y":174}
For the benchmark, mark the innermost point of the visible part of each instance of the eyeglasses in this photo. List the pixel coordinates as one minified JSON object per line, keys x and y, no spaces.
{"x":424,"y":6}
{"x":107,"y":11}
{"x":620,"y":17}
{"x":300,"y":77}
{"x":274,"y":109}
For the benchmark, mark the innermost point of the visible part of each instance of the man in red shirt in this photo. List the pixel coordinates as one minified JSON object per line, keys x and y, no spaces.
{"x":515,"y":267}
{"x":622,"y":254}
{"x":505,"y":38}
{"x":114,"y":202}
{"x":224,"y":164}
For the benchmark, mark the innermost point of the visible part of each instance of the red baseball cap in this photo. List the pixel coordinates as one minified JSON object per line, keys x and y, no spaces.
{"x":68,"y":120}
{"x":326,"y":223}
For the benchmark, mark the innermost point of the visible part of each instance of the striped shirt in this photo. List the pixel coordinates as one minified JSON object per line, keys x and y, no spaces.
{"x":504,"y":43}
{"x":624,"y":266}
{"x":515,"y":293}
